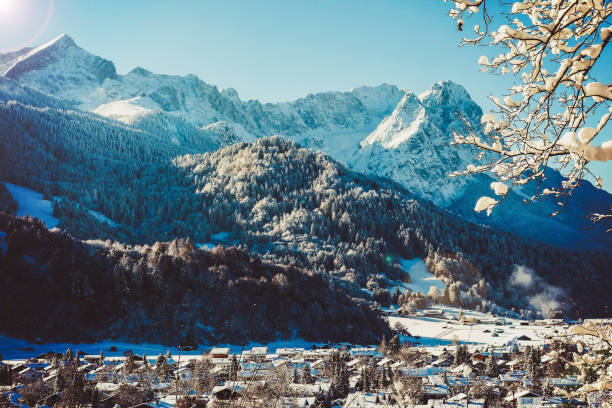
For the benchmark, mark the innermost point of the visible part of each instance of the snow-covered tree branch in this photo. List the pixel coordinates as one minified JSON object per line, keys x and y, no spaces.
{"x":557,"y":107}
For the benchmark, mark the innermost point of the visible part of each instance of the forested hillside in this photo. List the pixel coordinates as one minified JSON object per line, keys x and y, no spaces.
{"x":303,"y":208}
{"x":287,"y":203}
{"x":170,"y":293}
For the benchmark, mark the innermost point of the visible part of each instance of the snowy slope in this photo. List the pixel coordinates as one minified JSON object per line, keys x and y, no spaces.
{"x":61,"y":68}
{"x":32,"y":203}
{"x":411,"y":146}
{"x":421,"y":280}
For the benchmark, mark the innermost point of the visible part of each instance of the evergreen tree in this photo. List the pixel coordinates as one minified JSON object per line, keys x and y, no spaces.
{"x":382,"y":348}
{"x":458,"y":355}
{"x":95,"y":398}
{"x":306,"y":377}
{"x":59,"y":382}
{"x":394,"y":345}
{"x":491,"y":369}
{"x":295,"y":379}
{"x":234,"y":367}
{"x":162,"y":369}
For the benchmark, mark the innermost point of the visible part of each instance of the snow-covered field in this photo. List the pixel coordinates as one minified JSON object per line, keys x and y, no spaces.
{"x":11,"y":348}
{"x":32,"y":203}
{"x":433,"y":331}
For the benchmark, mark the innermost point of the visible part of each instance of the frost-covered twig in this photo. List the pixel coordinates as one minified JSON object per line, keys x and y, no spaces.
{"x":551,"y":46}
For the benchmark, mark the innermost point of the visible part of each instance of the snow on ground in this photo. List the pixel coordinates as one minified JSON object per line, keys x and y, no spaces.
{"x":128,"y":110}
{"x":341,"y":144}
{"x":439,"y":331}
{"x":220,"y":236}
{"x":32,"y":203}
{"x":420,"y":277}
{"x":216,"y":239}
{"x":103,"y":218}
{"x":11,"y":348}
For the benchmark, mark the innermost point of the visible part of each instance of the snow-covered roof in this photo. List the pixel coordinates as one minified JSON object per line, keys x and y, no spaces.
{"x":521,"y":394}
{"x":220,"y":350}
{"x":385,"y":361}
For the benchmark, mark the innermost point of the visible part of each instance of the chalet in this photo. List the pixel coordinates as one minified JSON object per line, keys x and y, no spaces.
{"x":256,"y":354}
{"x":479,"y":357}
{"x":435,"y":391}
{"x":225,"y":363}
{"x":508,"y":380}
{"x":227,"y":392}
{"x":464,"y":370}
{"x":312,"y":355}
{"x":445,"y":361}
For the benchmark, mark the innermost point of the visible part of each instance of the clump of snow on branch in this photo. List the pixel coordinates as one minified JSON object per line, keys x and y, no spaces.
{"x":485,"y":203}
{"x":545,"y":120}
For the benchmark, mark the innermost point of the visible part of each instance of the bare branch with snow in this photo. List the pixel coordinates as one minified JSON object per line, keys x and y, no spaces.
{"x":551,"y":46}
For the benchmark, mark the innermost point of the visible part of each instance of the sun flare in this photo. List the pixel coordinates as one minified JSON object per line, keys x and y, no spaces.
{"x":7,"y":7}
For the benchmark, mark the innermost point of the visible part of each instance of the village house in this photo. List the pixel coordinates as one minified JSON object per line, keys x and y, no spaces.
{"x":219,"y":353}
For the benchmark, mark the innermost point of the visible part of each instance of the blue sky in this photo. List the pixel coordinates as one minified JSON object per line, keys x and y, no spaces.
{"x":272,"y":50}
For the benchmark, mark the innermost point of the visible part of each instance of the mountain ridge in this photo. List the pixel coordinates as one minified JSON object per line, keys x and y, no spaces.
{"x":383,"y":131}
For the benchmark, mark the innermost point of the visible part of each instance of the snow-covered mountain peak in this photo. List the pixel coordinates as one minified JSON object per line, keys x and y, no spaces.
{"x":445,"y":100}
{"x":445,"y":90}
{"x":62,"y":68}
{"x":62,"y":40}
{"x":401,"y":125}
{"x":412,"y":145}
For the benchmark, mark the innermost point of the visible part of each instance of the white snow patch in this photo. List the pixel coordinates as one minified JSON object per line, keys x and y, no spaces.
{"x":206,"y":245}
{"x":32,"y":203}
{"x":429,"y":331}
{"x":220,"y":236}
{"x":421,"y":280}
{"x":128,"y":110}
{"x":103,"y":218}
{"x":12,"y":348}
